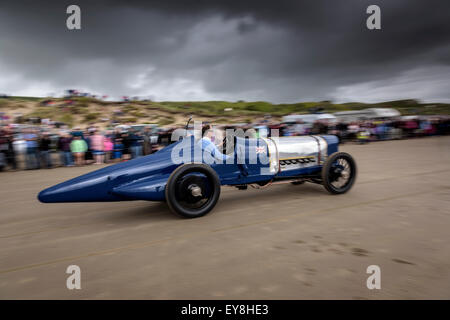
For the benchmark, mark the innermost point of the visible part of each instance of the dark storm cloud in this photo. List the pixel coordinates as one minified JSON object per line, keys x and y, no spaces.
{"x":278,"y":50}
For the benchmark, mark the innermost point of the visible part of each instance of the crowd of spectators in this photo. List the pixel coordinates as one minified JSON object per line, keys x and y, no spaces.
{"x":364,"y":131}
{"x":360,"y":131}
{"x":38,"y":147}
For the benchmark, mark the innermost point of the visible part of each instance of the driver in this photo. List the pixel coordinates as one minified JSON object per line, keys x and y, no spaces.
{"x":206,"y":143}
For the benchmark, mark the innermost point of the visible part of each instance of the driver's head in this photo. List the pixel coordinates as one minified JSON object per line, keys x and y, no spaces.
{"x":206,"y":131}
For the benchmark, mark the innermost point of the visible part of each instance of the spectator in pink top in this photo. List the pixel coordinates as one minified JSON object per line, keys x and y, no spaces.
{"x":98,"y":147}
{"x":109,"y":146}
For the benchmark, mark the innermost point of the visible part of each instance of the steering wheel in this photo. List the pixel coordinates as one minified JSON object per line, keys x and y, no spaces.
{"x":225,"y":144}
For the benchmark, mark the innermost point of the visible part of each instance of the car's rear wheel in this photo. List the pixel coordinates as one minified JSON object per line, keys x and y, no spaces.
{"x":192,"y":190}
{"x":339,"y":173}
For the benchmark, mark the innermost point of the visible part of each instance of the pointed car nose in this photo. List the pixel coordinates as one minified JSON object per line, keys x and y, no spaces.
{"x":83,"y":189}
{"x":99,"y":185}
{"x":45,"y":196}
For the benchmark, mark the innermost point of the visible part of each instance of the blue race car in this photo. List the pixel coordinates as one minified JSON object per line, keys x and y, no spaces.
{"x":188,"y":174}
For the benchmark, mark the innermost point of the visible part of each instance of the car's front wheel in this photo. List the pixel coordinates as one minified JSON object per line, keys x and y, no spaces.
{"x":339,"y":173}
{"x":192,"y":190}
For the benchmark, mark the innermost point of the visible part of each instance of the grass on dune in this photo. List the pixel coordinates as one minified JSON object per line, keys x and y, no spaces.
{"x":87,"y":109}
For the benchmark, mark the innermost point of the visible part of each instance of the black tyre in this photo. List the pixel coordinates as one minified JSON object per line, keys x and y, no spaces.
{"x":339,"y":173}
{"x":192,"y":190}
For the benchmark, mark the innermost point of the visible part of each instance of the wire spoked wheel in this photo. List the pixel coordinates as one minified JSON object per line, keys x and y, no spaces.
{"x":339,"y":173}
{"x":192,"y":190}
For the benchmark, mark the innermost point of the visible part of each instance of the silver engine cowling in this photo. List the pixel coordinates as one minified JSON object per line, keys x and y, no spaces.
{"x":297,"y":152}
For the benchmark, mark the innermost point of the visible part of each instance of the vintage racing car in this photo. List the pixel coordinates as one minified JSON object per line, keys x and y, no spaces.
{"x":191,"y":185}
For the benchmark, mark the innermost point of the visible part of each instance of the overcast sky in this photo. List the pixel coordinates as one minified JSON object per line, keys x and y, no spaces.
{"x":278,"y":51}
